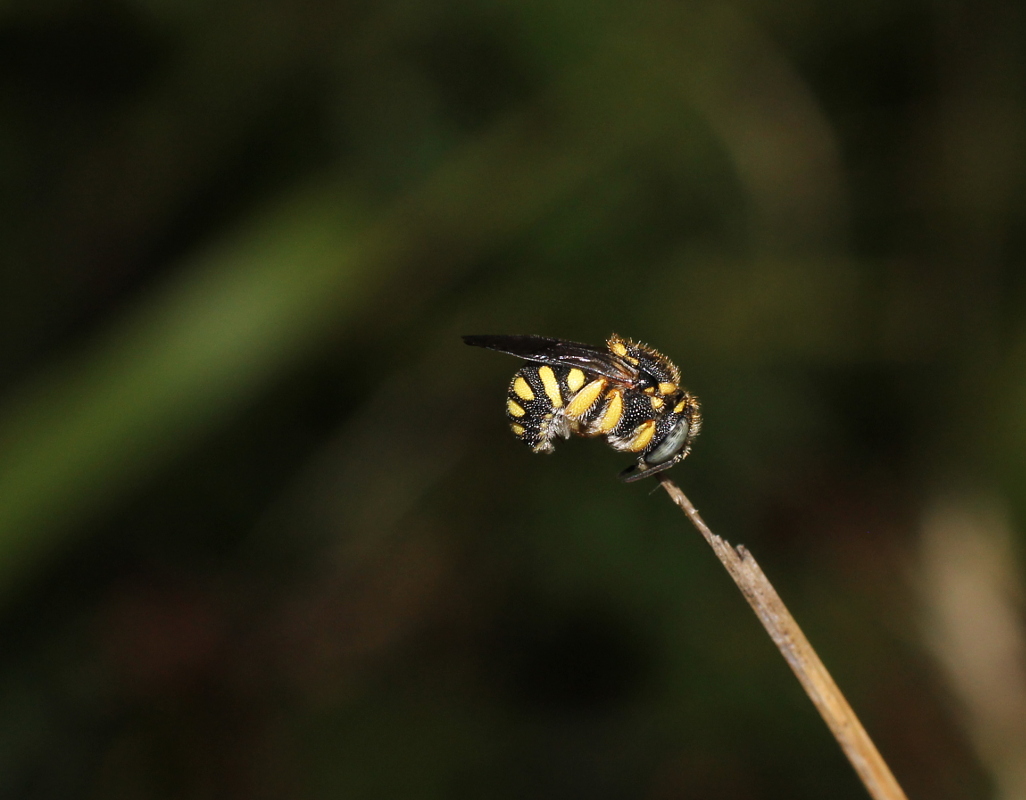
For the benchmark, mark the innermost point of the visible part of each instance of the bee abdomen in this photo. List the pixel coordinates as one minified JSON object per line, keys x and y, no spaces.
{"x":536,"y":405}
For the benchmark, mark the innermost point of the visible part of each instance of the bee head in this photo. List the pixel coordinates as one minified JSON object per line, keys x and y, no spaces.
{"x":676,"y":430}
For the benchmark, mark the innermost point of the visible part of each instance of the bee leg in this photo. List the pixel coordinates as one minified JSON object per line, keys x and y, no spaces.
{"x":636,"y":472}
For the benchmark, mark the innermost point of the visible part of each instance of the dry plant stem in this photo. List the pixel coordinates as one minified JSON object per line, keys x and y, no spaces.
{"x":782,"y":628}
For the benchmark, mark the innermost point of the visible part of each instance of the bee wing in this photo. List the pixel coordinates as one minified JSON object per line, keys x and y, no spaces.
{"x":559,"y":352}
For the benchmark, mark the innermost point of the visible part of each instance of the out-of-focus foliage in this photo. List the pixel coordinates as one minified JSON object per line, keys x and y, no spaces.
{"x":263,"y":530}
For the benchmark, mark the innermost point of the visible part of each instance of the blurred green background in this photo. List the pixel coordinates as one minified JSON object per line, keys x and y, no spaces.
{"x":264,"y":532}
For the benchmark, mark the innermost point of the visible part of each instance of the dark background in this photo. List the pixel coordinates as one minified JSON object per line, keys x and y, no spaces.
{"x":264,"y":532}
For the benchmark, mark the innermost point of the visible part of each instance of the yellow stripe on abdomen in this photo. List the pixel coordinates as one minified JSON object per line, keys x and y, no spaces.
{"x":522,"y":389}
{"x":551,"y":385}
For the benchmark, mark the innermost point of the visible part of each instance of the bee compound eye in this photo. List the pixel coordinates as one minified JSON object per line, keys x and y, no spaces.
{"x":672,"y":444}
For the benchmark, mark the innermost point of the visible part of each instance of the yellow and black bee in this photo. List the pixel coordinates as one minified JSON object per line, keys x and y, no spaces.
{"x":628,"y":392}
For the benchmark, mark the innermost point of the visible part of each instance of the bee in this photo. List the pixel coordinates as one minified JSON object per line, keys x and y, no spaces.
{"x":627,"y":392}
